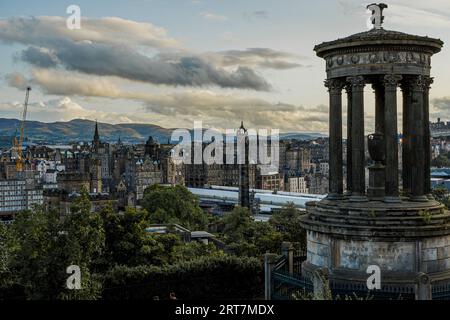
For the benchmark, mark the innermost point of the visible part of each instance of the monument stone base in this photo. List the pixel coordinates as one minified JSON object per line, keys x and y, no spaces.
{"x":403,"y":239}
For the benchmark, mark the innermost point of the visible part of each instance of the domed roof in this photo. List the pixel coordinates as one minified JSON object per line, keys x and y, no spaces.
{"x":378,"y":37}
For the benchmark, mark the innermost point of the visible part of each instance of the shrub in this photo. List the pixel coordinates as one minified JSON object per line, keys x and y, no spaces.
{"x":222,"y":277}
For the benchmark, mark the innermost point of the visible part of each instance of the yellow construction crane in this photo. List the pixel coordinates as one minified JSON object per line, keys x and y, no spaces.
{"x":18,"y":144}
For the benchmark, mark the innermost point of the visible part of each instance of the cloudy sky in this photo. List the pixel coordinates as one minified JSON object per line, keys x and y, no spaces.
{"x":170,"y":62}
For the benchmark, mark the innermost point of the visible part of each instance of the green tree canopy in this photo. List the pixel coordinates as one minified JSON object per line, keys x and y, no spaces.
{"x":287,"y":221}
{"x":126,"y":239}
{"x":128,"y":242}
{"x":47,"y":245}
{"x":37,"y":248}
{"x":36,"y":233}
{"x":442,"y":195}
{"x":6,"y":249}
{"x":441,"y":161}
{"x":218,"y":277}
{"x":246,"y":237}
{"x":174,"y":205}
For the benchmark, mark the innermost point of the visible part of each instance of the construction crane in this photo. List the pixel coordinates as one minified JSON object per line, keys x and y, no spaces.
{"x":18,"y":143}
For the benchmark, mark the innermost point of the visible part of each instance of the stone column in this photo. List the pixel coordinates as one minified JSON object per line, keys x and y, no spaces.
{"x":269,"y":263}
{"x":379,"y":106}
{"x":287,"y":249}
{"x":406,"y":139}
{"x":391,"y":138}
{"x":427,"y":135}
{"x":423,"y":287}
{"x":348,"y":89}
{"x":358,"y":140}
{"x":335,"y":87}
{"x":417,"y":142}
{"x":321,"y":283}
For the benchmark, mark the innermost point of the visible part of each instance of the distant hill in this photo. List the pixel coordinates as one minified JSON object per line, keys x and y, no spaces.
{"x":83,"y":130}
{"x":301,"y":136}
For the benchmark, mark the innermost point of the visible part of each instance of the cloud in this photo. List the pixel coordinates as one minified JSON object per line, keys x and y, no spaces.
{"x":349,"y":7}
{"x":104,"y":60}
{"x":219,"y":111}
{"x":229,"y":37}
{"x":421,"y":17}
{"x":39,"y":31}
{"x":440,"y":108}
{"x":94,"y":53}
{"x":65,"y":109}
{"x":431,"y":13}
{"x":63,"y":83}
{"x":256,"y":15}
{"x":107,"y":59}
{"x":260,"y":14}
{"x":264,"y":58}
{"x":441,"y":104}
{"x":182,"y":108}
{"x":17,"y":80}
{"x":40,"y":57}
{"x":222,"y":110}
{"x":213,"y":17}
{"x":98,"y":59}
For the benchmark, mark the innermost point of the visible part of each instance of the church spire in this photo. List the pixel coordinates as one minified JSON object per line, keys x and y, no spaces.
{"x":96,"y":141}
{"x":96,"y":135}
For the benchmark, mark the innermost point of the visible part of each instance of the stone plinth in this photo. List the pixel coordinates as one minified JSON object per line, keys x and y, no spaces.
{"x":403,"y":239}
{"x":376,"y":182}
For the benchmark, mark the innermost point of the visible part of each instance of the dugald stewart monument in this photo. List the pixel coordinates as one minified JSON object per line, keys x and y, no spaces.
{"x":393,"y":223}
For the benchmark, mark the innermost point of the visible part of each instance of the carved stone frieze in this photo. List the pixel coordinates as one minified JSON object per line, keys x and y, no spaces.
{"x":381,"y":57}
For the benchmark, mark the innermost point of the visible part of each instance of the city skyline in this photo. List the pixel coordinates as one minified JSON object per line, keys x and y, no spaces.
{"x":124,"y":173}
{"x":245,"y":70}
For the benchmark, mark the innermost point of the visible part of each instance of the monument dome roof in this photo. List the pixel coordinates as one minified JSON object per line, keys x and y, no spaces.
{"x":380,"y":37}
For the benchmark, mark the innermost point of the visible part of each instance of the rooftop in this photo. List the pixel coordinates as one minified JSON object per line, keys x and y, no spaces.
{"x":378,"y":37}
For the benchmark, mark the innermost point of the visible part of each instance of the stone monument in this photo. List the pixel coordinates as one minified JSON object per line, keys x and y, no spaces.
{"x":399,"y":228}
{"x":244,"y":173}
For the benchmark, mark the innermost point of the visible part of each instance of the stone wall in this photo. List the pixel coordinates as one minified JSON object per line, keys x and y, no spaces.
{"x":323,"y":251}
{"x":390,"y":256}
{"x":436,"y":254}
{"x":319,"y":249}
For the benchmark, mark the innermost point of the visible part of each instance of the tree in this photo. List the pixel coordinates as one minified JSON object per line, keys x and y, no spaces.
{"x":83,"y":240}
{"x":46,"y":246}
{"x":6,"y":248}
{"x":442,"y":195}
{"x":287,"y":221}
{"x":128,"y":242}
{"x":174,"y":205}
{"x":126,"y":239}
{"x":193,"y":250}
{"x":219,"y":277}
{"x":237,"y":225}
{"x":162,"y":247}
{"x":441,"y":161}
{"x":36,"y":233}
{"x":246,"y":237}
